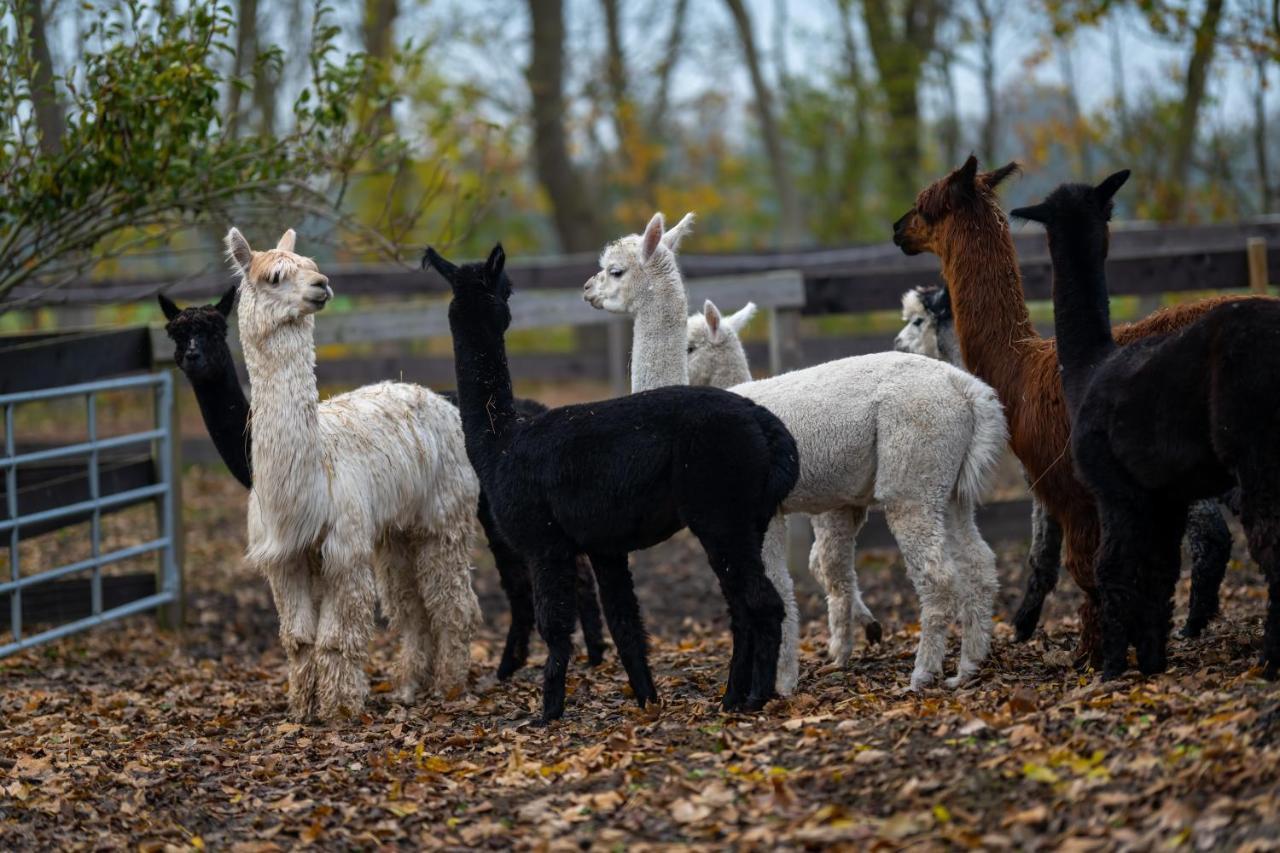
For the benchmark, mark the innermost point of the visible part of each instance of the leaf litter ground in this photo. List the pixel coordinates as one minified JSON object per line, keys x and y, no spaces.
{"x":132,"y":736}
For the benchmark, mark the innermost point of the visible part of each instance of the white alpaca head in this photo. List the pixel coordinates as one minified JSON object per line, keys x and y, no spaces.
{"x":716,"y":356}
{"x":278,"y":286}
{"x":637,"y":268}
{"x":929,"y":330}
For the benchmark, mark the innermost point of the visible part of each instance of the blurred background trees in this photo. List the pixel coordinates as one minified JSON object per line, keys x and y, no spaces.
{"x":557,"y":124}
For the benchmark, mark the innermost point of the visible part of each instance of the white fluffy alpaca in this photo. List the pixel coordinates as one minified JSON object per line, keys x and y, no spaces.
{"x":372,"y":487}
{"x":915,"y":435}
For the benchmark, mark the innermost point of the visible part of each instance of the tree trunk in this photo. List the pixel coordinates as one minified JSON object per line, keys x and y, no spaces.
{"x":988,"y":21}
{"x":379,"y":20}
{"x":572,"y":211}
{"x":1260,"y":134}
{"x":792,"y":228}
{"x":900,"y":51}
{"x":49,"y":116}
{"x":246,"y":53}
{"x":1206,"y":38}
{"x":670,"y":56}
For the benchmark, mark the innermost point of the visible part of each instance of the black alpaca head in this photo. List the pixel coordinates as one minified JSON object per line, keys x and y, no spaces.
{"x":1076,"y":214}
{"x":199,"y":334}
{"x":480,"y":290}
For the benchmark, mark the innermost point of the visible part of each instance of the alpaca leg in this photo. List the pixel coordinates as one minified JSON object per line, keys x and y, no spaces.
{"x":977,"y":584}
{"x":1122,"y":610}
{"x":1260,"y":514}
{"x":1158,"y":577}
{"x":589,"y":612}
{"x":1044,"y":562}
{"x":1209,"y":541}
{"x":518,"y":587}
{"x":617,"y":592}
{"x":553,"y":603}
{"x":760,"y":612}
{"x":921,"y":534}
{"x":774,"y":555}
{"x":346,"y":623}
{"x":442,"y":572}
{"x":831,"y":562}
{"x":294,"y":590}
{"x":394,"y":571}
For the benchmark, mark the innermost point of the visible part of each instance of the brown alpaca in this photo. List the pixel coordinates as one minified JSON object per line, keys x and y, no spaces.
{"x":959,"y":219}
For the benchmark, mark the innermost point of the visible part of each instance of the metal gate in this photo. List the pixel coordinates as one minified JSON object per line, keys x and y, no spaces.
{"x":157,"y":487}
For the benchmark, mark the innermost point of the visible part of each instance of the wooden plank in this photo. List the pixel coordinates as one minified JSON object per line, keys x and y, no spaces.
{"x":74,"y":358}
{"x":1256,"y":250}
{"x":572,"y":271}
{"x":67,"y":600}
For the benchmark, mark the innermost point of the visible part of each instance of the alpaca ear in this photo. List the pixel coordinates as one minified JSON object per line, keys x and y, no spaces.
{"x":711,"y":314}
{"x":652,"y":237}
{"x":741,"y":318}
{"x":996,"y":177}
{"x":940,"y":303}
{"x":673,"y":237}
{"x":227,"y":302}
{"x":1105,"y":190}
{"x":1034,"y":213}
{"x":962,"y":181}
{"x":238,"y":250}
{"x":497,"y":260}
{"x":288,"y":240}
{"x":166,"y":305}
{"x":439,"y":264}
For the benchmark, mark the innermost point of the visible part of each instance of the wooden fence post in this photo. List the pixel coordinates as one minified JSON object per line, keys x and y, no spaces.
{"x":1256,"y":249}
{"x":786,"y":353}
{"x":616,"y":353}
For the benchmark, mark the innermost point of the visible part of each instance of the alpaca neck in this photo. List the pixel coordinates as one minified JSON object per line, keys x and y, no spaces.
{"x":226,"y":417}
{"x":485,"y":400}
{"x":659,"y":346}
{"x":287,"y":454}
{"x":734,"y":370}
{"x":990,"y":314}
{"x":1081,"y":310}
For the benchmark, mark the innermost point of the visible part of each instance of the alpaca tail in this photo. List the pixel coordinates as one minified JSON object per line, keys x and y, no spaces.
{"x":988,"y":440}
{"x":784,"y":456}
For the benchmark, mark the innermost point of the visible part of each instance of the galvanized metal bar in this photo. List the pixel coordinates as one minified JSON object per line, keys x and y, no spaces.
{"x":118,"y":499}
{"x":83,"y":565}
{"x":170,"y":573}
{"x":82,"y":448}
{"x":95,"y":524}
{"x":11,"y":485}
{"x":148,"y":603}
{"x":82,"y":388}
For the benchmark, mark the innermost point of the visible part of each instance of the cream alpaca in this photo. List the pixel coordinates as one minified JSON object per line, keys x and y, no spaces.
{"x":371,"y":489}
{"x":915,"y":435}
{"x":855,"y":423}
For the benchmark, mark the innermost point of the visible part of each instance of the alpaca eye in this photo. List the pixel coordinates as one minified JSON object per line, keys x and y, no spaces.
{"x":689,"y":351}
{"x":275,"y":277}
{"x":616,"y":272}
{"x":919,"y":321}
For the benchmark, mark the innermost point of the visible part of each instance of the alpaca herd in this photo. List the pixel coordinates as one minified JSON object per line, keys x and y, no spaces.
{"x":1129,"y":437}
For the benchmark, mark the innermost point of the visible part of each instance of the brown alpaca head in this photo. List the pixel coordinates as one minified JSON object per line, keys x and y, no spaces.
{"x":960,"y":196}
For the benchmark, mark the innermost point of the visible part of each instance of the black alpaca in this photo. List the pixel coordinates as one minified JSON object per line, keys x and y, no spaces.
{"x":611,"y":477}
{"x":1208,"y":537}
{"x":199,"y":333}
{"x":1158,"y":424}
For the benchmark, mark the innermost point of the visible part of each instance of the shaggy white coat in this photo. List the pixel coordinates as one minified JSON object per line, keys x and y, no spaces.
{"x":913,"y":435}
{"x":368,"y":491}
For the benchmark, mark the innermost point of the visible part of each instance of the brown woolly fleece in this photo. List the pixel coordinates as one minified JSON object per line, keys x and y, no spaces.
{"x":967,"y":229}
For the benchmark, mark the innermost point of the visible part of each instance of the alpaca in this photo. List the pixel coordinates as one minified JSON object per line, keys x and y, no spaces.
{"x":610,"y":477}
{"x":1157,"y":424}
{"x":200,"y":336}
{"x":959,"y":219}
{"x":370,"y":484}
{"x":922,"y":440}
{"x":844,"y":471}
{"x":930,"y":330}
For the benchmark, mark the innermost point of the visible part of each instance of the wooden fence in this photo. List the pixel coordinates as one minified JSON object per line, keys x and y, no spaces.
{"x":408,"y":305}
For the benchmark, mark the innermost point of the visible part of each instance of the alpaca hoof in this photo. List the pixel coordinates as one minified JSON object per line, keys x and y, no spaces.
{"x":921,"y":680}
{"x":731,"y":704}
{"x":1113,"y":672}
{"x":875,"y":634}
{"x":839,"y":651}
{"x":960,"y":680}
{"x":406,"y":696}
{"x":510,"y":666}
{"x":595,"y":657}
{"x":1193,"y":628}
{"x":1270,"y":668}
{"x":1025,"y":624}
{"x":754,"y":704}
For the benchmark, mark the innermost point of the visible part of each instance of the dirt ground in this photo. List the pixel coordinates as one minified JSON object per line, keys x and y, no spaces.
{"x":133,"y":737}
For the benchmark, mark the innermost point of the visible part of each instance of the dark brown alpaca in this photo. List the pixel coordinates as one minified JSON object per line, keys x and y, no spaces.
{"x":959,"y":219}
